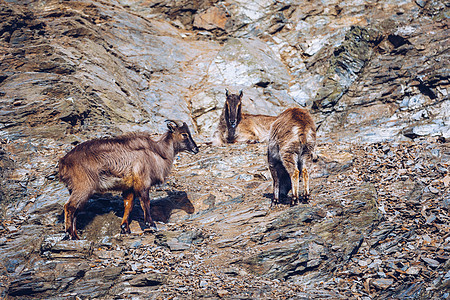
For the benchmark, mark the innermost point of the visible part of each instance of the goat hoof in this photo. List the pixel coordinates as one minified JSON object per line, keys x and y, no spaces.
{"x":150,"y":227}
{"x":71,"y":236}
{"x":275,"y":203}
{"x":67,"y":237}
{"x":125,"y":229}
{"x":294,"y":202}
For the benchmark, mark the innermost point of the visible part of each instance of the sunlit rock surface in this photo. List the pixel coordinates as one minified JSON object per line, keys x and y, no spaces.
{"x":374,"y":75}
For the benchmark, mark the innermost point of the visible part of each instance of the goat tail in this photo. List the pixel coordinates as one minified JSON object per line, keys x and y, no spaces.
{"x":310,"y":143}
{"x":64,"y":172}
{"x":314,"y":156}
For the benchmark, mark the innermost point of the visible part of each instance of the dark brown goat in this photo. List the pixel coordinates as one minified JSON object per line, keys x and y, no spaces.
{"x":235,"y":126}
{"x":131,"y":163}
{"x":292,"y":138}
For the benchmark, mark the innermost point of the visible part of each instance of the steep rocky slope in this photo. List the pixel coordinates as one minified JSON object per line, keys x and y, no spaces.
{"x":373,"y":73}
{"x":376,"y":226}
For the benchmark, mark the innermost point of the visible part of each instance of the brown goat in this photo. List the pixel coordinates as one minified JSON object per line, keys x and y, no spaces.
{"x":235,"y":126}
{"x":131,"y":163}
{"x":292,"y":137}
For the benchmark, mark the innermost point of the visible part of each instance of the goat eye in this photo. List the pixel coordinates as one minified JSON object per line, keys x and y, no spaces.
{"x":184,"y":135}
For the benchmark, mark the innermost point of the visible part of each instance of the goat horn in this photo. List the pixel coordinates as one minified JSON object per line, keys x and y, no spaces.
{"x":172,"y":122}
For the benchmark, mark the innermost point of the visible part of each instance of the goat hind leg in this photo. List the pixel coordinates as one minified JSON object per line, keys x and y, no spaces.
{"x":145,"y":204}
{"x":295,"y":179}
{"x":284,"y":181}
{"x":294,"y":174}
{"x":276,"y":186}
{"x":305,"y":176}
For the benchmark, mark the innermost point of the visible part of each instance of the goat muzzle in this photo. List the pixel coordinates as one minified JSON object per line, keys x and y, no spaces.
{"x":194,"y":150}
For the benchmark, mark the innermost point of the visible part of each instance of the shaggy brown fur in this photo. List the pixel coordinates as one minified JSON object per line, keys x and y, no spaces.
{"x":235,"y":126}
{"x":131,"y":163}
{"x":292,"y":137}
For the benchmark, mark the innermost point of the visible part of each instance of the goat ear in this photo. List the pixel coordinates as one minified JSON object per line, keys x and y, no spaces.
{"x":172,"y":125}
{"x":227,"y":93}
{"x":240,"y":94}
{"x":185,"y":126}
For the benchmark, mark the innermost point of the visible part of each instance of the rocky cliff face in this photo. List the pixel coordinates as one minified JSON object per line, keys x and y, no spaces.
{"x":372,"y":71}
{"x":374,"y":75}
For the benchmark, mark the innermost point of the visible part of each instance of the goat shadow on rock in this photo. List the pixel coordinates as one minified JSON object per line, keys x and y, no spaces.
{"x":285,"y":187}
{"x":285,"y":197}
{"x":103,"y":212}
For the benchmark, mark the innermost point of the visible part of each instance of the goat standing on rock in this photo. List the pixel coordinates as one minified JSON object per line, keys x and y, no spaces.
{"x":235,"y":126}
{"x":292,"y":137}
{"x":131,"y":163}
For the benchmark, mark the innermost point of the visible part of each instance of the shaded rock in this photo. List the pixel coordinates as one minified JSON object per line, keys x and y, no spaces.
{"x":46,"y":279}
{"x":56,"y":247}
{"x":176,"y":245}
{"x":148,"y":279}
{"x":431,"y":262}
{"x":164,"y":207}
{"x":347,"y":61}
{"x":445,"y":283}
{"x":28,"y":286}
{"x":107,"y":274}
{"x":192,"y":237}
{"x":434,"y":128}
{"x":360,"y":217}
{"x":96,"y":226}
{"x":10,"y":187}
{"x":283,"y":262}
{"x":175,"y":241}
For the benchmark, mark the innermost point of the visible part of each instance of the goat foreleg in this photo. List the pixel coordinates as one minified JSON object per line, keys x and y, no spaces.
{"x":128,"y":197}
{"x":77,"y":200}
